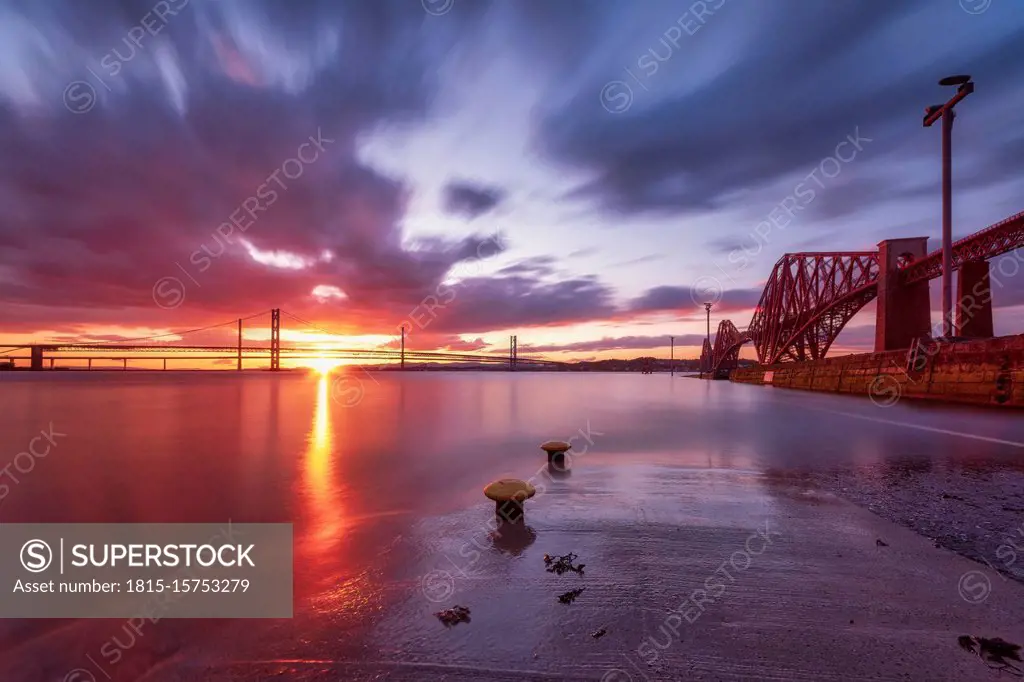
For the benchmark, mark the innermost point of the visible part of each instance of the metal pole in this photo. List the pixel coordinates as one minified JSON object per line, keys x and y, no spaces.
{"x":672,"y":357}
{"x":931,"y":115}
{"x":403,"y":346}
{"x":707,"y":307}
{"x":239,"y":347}
{"x":275,"y":339}
{"x":947,"y":222}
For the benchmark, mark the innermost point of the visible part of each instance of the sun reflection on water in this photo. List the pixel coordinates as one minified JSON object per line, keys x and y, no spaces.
{"x":326,"y":514}
{"x":336,"y":588}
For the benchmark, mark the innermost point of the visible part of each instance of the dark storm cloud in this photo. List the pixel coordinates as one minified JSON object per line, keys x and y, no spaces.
{"x":470,"y":200}
{"x":488,"y":303}
{"x":103,"y":202}
{"x":793,"y":93}
{"x":851,"y":198}
{"x":199,"y":119}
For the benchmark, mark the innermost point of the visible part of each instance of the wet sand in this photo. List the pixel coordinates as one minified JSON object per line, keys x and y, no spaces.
{"x":977,"y":512}
{"x":792,"y":585}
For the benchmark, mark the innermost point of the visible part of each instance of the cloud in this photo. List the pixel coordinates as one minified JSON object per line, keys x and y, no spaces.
{"x":538,"y":265}
{"x":471,"y":200}
{"x":649,"y":258}
{"x":211,"y":115}
{"x":104,"y":203}
{"x":618,"y":343}
{"x":460,"y":346}
{"x":683,"y":298}
{"x":774,"y":109}
{"x":726,"y":244}
{"x":499,"y":303}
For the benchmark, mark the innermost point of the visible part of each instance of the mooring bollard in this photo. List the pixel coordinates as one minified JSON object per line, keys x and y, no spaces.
{"x":556,"y":450}
{"x":508,"y":495}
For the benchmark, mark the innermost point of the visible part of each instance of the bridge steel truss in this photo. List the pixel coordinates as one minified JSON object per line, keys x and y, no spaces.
{"x":1003,"y":237}
{"x":810,"y":297}
{"x":807,"y":301}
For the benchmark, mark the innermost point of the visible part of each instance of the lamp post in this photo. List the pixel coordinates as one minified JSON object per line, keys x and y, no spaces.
{"x":672,"y":356}
{"x":931,"y":115}
{"x":707,"y":309}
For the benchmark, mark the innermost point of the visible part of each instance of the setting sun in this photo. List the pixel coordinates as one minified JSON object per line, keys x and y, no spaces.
{"x":322,"y":365}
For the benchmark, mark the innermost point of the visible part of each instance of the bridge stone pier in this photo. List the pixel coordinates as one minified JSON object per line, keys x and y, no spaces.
{"x":974,"y":301}
{"x":903,"y":311}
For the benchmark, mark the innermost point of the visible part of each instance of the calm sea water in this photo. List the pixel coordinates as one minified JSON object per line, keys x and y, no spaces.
{"x":358,"y":464}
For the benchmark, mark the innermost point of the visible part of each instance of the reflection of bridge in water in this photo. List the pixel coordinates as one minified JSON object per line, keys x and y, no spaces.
{"x":158,"y":348}
{"x":810,"y":297}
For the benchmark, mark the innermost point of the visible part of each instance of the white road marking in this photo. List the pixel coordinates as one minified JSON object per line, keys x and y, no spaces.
{"x":927,"y":428}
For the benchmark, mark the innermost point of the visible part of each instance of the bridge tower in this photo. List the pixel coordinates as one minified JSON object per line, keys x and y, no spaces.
{"x":275,"y":339}
{"x":37,"y":358}
{"x":904,"y":310}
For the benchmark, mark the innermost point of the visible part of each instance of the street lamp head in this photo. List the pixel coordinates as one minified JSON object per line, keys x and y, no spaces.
{"x":707,"y":306}
{"x":955,"y":80}
{"x":932,"y":114}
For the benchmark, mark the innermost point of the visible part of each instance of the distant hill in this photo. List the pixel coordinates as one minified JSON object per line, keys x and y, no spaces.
{"x":632,"y":365}
{"x":645,"y":363}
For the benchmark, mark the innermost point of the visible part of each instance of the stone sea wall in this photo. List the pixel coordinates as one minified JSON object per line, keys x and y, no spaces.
{"x":983,"y":372}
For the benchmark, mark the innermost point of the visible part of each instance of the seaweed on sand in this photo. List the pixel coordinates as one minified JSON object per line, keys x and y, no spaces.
{"x":570,"y":596}
{"x":563,"y":564}
{"x":453,"y":616}
{"x":994,"y":652}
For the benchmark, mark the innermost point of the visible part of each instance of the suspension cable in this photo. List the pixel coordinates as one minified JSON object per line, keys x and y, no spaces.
{"x":141,"y":338}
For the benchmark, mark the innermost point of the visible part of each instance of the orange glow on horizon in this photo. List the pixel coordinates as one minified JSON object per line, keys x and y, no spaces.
{"x":322,"y":365}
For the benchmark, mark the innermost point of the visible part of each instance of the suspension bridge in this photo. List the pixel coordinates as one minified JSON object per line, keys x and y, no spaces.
{"x":810,"y":297}
{"x":174,"y":347}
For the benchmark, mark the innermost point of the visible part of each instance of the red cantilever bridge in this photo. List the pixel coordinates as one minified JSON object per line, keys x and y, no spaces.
{"x":810,"y":297}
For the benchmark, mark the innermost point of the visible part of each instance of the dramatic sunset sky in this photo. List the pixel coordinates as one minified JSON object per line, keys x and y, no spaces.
{"x":581,"y":174}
